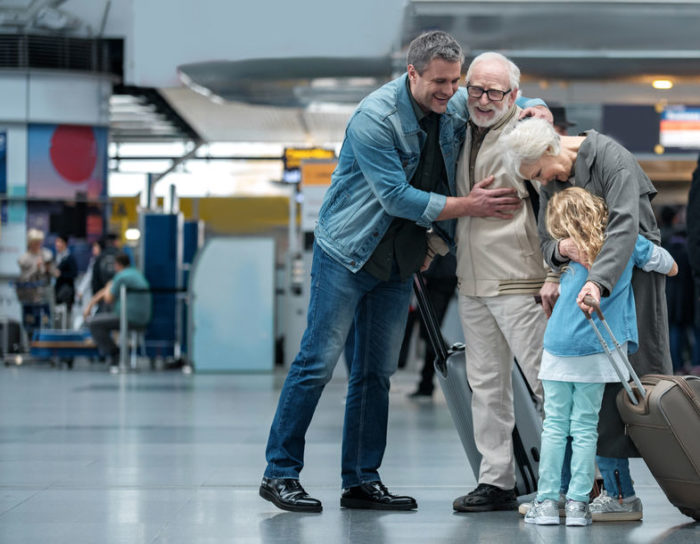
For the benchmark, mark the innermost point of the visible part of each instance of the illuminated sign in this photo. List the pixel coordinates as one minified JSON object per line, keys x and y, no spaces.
{"x":317,"y":172}
{"x":294,"y":155}
{"x":680,"y":127}
{"x":315,"y":180}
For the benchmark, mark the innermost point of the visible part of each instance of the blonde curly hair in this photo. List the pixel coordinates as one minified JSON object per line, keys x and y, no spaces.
{"x":577,"y":214}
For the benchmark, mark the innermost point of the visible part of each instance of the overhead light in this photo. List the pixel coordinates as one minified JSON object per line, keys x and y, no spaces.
{"x":132,"y":234}
{"x":662,"y":84}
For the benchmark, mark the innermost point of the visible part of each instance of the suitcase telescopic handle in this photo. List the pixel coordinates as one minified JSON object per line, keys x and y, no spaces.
{"x":430,"y":320}
{"x":593,"y":303}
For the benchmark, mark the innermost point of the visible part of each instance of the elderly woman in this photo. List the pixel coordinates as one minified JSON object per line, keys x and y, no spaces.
{"x":605,"y":168}
{"x":35,"y":269}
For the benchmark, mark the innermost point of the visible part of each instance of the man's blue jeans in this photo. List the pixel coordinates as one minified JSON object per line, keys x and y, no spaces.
{"x":379,"y":310}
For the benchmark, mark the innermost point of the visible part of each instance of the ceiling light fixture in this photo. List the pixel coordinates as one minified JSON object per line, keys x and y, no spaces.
{"x":662,"y":84}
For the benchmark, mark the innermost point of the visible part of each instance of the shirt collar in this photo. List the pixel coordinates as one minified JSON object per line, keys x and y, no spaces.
{"x":420,"y":114}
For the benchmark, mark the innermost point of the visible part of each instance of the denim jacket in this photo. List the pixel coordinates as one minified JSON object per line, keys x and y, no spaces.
{"x":371,"y":183}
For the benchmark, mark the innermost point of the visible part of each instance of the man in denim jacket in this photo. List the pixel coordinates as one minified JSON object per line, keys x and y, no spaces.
{"x":392,"y":184}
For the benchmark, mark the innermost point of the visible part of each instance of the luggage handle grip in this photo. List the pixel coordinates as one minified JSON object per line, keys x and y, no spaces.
{"x":430,"y":320}
{"x":593,"y":303}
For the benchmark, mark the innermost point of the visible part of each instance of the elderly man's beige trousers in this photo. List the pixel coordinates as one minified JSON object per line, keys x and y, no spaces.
{"x":495,"y":330}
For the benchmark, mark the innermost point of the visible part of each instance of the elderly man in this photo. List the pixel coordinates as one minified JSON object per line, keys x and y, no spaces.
{"x":394,"y":181}
{"x":500,"y":271}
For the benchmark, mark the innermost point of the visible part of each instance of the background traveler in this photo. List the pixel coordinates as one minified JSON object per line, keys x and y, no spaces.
{"x":33,"y":289}
{"x":138,"y":307}
{"x":693,"y":223}
{"x":65,"y":271}
{"x":560,"y":122}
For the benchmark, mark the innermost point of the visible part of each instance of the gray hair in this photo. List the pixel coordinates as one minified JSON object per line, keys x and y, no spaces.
{"x":35,"y":235}
{"x":492,"y":56}
{"x":528,"y":142}
{"x":432,"y":45}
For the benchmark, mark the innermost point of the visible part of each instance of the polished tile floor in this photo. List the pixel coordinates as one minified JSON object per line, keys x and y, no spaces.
{"x":162,"y":457}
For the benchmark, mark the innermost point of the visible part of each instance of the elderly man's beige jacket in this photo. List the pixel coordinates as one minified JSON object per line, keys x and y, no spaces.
{"x":497,"y":256}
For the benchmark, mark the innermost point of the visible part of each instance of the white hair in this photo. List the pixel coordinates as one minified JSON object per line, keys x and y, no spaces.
{"x":492,"y":56}
{"x":528,"y":142}
{"x":35,"y":235}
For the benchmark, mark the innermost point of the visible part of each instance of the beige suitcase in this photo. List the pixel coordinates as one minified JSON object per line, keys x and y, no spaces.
{"x":665,"y":427}
{"x":662,"y":417}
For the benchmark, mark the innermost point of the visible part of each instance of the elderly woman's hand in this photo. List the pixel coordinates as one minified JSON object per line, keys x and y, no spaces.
{"x":569,"y":250}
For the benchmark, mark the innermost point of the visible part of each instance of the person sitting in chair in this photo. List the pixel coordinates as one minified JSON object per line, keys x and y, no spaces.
{"x":138,"y":307}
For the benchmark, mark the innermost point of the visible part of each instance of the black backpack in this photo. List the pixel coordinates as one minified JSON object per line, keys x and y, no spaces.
{"x":103,"y":270}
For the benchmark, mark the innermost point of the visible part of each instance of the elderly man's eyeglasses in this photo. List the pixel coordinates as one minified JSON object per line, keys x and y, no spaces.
{"x":494,"y":94}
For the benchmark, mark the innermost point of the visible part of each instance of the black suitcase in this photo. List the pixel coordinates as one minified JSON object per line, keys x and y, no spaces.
{"x":10,"y":336}
{"x":451,"y":372}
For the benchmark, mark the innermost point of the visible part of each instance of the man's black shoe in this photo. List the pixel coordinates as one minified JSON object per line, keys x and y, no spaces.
{"x":375,"y":496}
{"x":287,"y":494}
{"x":485,"y":498}
{"x":421,"y":394}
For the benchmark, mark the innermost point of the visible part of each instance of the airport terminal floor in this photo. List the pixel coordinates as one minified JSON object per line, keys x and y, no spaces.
{"x":163,"y":457}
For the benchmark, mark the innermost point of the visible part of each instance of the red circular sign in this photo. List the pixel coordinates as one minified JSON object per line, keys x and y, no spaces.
{"x":74,"y":152}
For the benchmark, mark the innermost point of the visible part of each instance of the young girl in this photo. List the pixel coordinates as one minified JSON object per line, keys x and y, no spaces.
{"x":574,"y":366}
